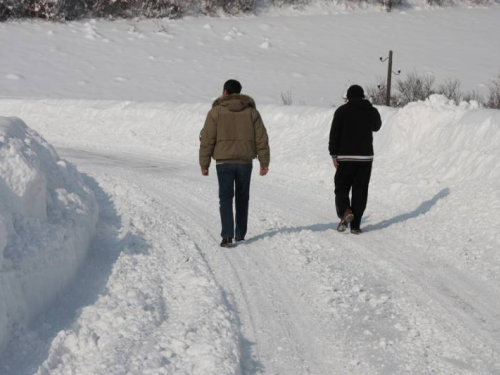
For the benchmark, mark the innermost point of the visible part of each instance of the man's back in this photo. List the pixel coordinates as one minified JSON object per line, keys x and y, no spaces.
{"x":234,"y":132}
{"x":352,"y":128}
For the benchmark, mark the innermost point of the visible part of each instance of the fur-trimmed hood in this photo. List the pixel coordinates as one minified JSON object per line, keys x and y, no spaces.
{"x":235,"y":102}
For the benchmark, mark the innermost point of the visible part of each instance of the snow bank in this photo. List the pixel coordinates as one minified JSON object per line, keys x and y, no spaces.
{"x":454,"y":142}
{"x":448,"y":141}
{"x":47,"y":217}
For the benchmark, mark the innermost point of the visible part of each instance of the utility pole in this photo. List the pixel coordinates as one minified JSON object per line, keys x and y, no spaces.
{"x":389,"y":78}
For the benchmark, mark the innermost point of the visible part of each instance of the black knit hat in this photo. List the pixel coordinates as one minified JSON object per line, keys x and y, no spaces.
{"x":355,"y":92}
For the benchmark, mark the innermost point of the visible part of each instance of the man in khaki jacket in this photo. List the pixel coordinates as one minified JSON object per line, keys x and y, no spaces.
{"x":234,"y":135}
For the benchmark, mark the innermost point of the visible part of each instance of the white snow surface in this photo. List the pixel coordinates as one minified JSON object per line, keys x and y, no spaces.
{"x":47,"y":219}
{"x":153,"y":293}
{"x":315,"y":57}
{"x":418,"y":292}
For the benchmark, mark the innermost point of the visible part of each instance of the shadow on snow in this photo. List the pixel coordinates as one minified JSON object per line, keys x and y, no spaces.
{"x":29,"y":347}
{"x":420,"y":210}
{"x":424,"y":208}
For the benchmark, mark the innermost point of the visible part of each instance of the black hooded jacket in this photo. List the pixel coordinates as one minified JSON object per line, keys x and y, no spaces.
{"x":351,"y":137}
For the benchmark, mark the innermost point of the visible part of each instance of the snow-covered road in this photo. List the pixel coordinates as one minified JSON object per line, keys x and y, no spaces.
{"x":296,"y":298}
{"x":417,"y":293}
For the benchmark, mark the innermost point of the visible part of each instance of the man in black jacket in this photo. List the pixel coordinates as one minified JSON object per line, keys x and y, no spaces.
{"x":351,"y":147}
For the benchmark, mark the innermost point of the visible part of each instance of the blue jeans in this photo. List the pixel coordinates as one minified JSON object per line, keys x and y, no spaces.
{"x":234,"y":178}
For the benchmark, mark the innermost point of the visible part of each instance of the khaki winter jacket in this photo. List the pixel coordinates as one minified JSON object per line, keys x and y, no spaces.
{"x":234,"y":132}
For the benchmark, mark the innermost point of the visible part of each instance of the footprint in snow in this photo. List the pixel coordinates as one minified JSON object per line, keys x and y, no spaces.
{"x":266,"y":45}
{"x":14,"y":77}
{"x":91,"y":32}
{"x":235,"y":32}
{"x":133,"y":30}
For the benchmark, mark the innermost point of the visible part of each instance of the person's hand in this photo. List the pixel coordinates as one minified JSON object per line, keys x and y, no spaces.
{"x":204,"y":171}
{"x":264,"y":170}
{"x":335,"y":163}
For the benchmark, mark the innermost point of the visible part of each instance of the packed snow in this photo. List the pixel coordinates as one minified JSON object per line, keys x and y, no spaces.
{"x":149,"y":291}
{"x":47,"y":219}
{"x":419,"y":297}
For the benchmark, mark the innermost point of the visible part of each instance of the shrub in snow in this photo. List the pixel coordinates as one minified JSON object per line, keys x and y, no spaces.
{"x":418,"y":87}
{"x":413,"y":88}
{"x":47,"y":218}
{"x":279,"y":3}
{"x":286,"y":98}
{"x":451,"y":89}
{"x":49,"y":9}
{"x":473,"y":96}
{"x":13,"y":9}
{"x":388,"y":4}
{"x":442,"y":3}
{"x":109,"y":8}
{"x":494,"y":96}
{"x":162,"y":8}
{"x":54,"y":10}
{"x":60,"y":10}
{"x":237,"y":6}
{"x":140,"y":8}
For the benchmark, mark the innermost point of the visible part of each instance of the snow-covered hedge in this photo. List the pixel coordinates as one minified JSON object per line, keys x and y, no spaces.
{"x":75,"y":9}
{"x":47,"y":218}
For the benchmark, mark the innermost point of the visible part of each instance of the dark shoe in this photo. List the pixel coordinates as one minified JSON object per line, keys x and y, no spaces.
{"x":345,"y":220}
{"x":226,"y":242}
{"x":239,"y":239}
{"x":356,"y":231}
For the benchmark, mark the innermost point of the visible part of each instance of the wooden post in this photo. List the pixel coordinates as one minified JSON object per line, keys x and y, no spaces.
{"x":389,"y":81}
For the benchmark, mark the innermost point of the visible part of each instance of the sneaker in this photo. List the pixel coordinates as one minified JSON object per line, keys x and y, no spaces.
{"x":239,"y":239}
{"x":346,"y":219}
{"x":356,"y":231}
{"x":226,"y":242}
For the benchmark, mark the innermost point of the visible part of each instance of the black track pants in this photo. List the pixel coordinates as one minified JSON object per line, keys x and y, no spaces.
{"x":355,"y":176}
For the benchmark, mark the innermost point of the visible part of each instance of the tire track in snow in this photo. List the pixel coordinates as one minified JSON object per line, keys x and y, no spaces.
{"x":410,"y":288}
{"x":454,"y":299}
{"x":282,"y":336}
{"x":285,"y":342}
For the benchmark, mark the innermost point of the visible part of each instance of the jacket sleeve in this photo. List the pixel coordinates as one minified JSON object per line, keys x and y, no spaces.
{"x":261,"y":141}
{"x":208,"y":138}
{"x":377,"y":121}
{"x":334,"y":144}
